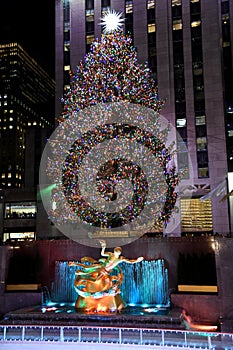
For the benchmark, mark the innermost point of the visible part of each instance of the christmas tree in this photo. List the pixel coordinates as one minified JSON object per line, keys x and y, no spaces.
{"x":110,"y":75}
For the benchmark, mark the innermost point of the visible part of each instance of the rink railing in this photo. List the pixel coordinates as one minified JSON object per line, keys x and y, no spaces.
{"x":116,"y":335}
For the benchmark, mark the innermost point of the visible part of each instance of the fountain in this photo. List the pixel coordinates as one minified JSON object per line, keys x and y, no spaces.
{"x":144,"y":292}
{"x":144,"y":283}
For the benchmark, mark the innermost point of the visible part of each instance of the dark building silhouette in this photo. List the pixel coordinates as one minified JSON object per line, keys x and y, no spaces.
{"x":26,"y":116}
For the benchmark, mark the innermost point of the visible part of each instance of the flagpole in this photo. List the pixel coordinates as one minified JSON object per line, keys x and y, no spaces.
{"x":228,"y":206}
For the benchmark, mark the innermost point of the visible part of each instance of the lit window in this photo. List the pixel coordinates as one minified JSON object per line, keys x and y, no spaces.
{"x":128,"y":6}
{"x":67,"y":68}
{"x":11,"y":110}
{"x":151,"y":28}
{"x":90,"y":15}
{"x":150,"y":4}
{"x":105,"y":10}
{"x":201,"y":143}
{"x":195,"y":0}
{"x":89,"y":12}
{"x":66,"y":47}
{"x":176,"y":2}
{"x":197,"y":71}
{"x":195,"y":24}
{"x":196,"y":216}
{"x":90,"y":39}
{"x":203,"y":172}
{"x":9,"y":184}
{"x":9,"y":175}
{"x":181,"y":122}
{"x":10,"y":126}
{"x":29,"y":124}
{"x":10,"y":119}
{"x":34,"y":123}
{"x":225,"y":17}
{"x":177,"y":24}
{"x":200,"y":120}
{"x":20,"y":210}
{"x":3,"y":175}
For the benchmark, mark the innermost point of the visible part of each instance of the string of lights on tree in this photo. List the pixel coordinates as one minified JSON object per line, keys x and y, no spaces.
{"x":110,"y":73}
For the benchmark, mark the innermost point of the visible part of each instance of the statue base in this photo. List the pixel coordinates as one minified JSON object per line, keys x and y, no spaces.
{"x":108,"y":303}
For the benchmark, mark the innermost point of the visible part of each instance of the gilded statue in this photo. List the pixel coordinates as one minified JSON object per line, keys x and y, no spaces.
{"x":97,"y":283}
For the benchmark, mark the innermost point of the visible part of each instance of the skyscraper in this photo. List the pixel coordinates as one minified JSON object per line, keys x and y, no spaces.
{"x":26,"y":108}
{"x":188,"y":46}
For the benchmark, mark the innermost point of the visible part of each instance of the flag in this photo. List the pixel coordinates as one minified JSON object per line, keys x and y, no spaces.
{"x":220,"y":190}
{"x":226,"y":196}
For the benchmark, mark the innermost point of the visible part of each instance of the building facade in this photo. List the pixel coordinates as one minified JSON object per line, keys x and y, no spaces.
{"x":26,"y":121}
{"x":26,"y":116}
{"x":188,"y":46}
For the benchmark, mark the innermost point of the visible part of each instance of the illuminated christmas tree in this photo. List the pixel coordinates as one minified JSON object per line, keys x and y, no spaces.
{"x":110,"y":74}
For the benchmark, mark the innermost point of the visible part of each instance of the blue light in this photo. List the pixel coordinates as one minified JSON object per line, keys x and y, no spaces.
{"x":50,"y":304}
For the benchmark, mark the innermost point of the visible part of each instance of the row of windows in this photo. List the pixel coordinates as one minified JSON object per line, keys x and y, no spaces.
{"x":196,"y":216}
{"x":20,"y":210}
{"x":10,"y":184}
{"x":9,"y":176}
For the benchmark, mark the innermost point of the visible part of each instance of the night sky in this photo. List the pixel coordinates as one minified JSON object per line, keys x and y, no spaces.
{"x":32,"y":24}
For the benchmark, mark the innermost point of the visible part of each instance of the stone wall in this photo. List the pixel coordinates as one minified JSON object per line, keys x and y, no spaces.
{"x":201,"y":307}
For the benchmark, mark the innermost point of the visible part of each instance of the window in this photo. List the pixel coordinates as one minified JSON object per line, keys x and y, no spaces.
{"x":90,"y":27}
{"x":150,"y":4}
{"x":90,"y":15}
{"x":151,"y":28}
{"x":180,"y":123}
{"x":203,"y":172}
{"x":200,"y":120}
{"x":195,"y":24}
{"x":176,"y":2}
{"x":89,"y":4}
{"x":177,"y":24}
{"x":20,"y":210}
{"x":129,"y":6}
{"x":196,"y":216}
{"x":19,"y":236}
{"x":201,"y":143}
{"x":90,"y":39}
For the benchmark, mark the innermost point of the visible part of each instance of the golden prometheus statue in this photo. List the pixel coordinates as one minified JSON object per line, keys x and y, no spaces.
{"x":98,"y":282}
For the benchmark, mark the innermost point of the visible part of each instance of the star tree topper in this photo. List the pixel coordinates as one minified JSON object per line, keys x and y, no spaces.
{"x":111,"y":21}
